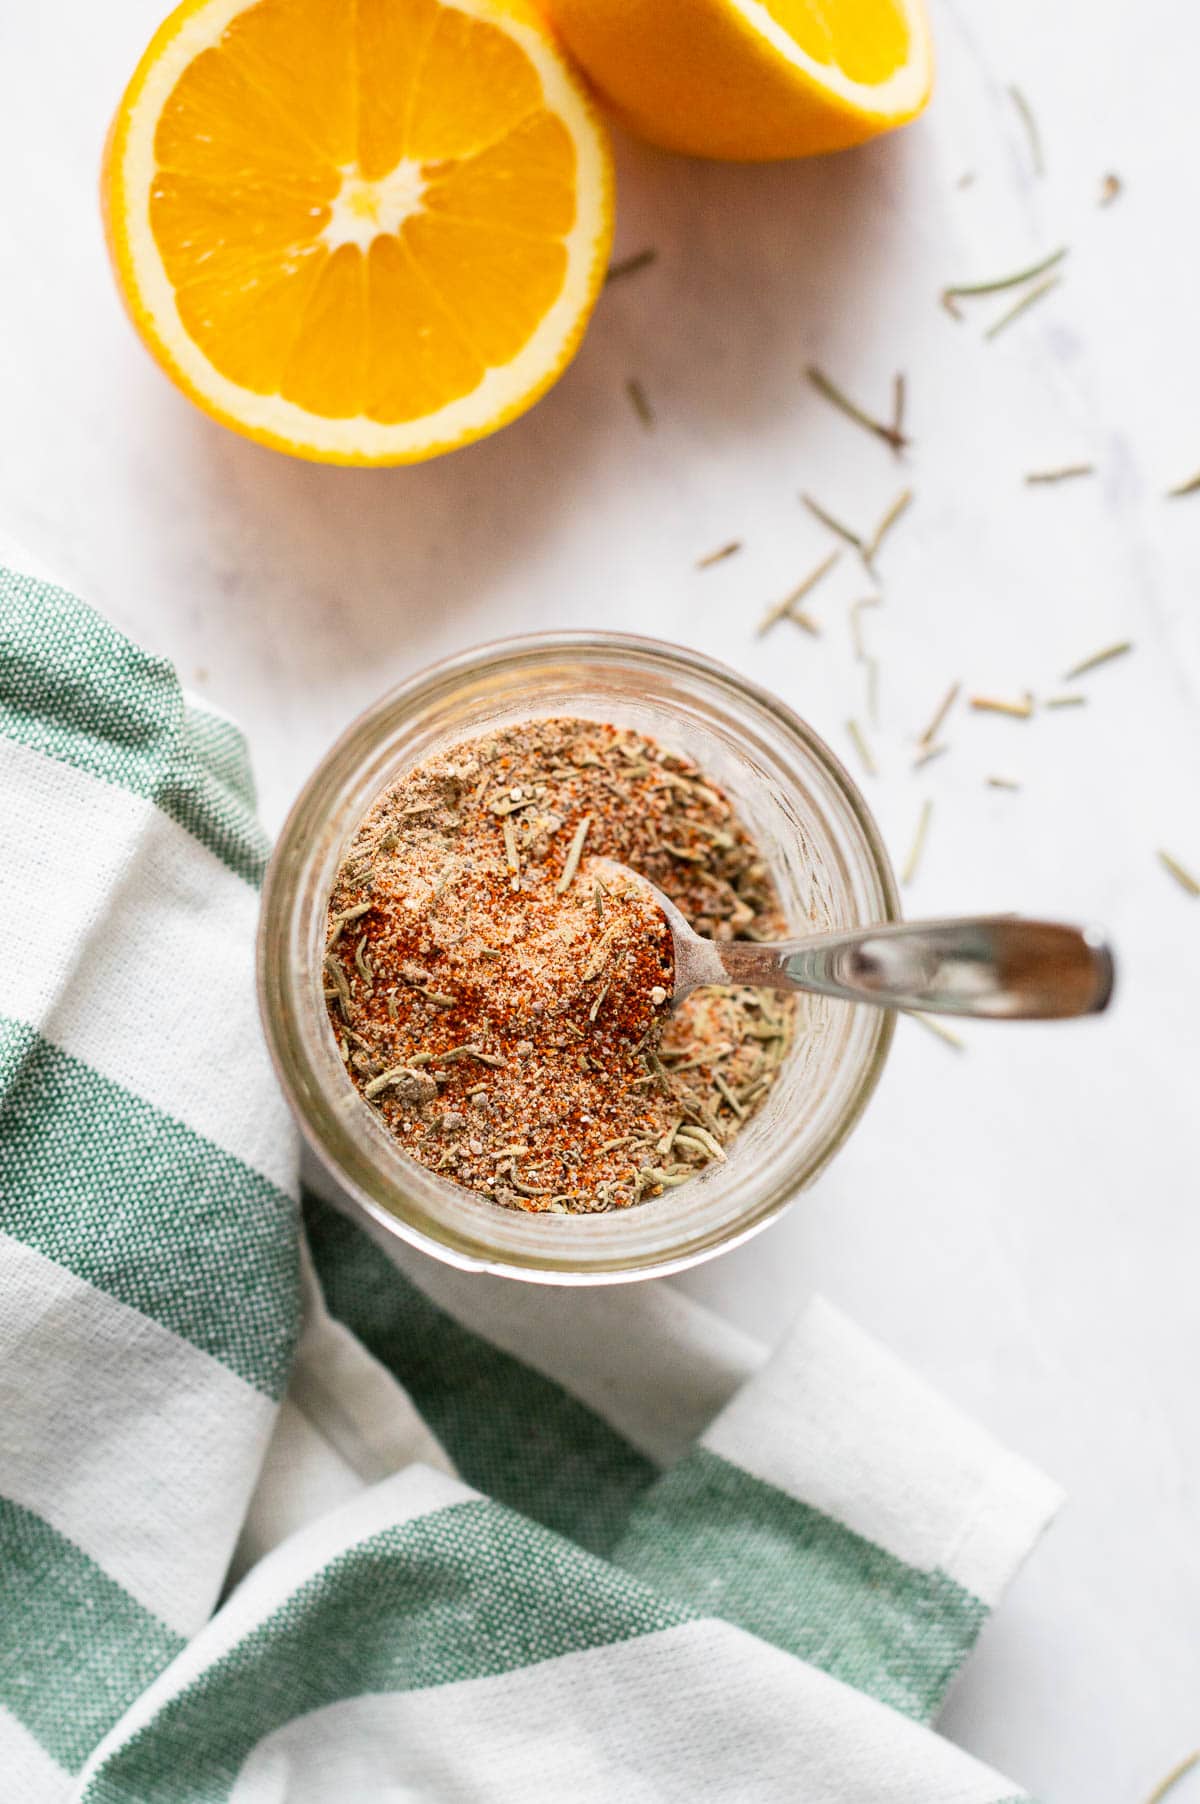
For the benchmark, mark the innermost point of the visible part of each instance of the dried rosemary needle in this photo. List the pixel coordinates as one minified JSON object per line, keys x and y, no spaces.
{"x":928,"y":755}
{"x":1182,"y":876}
{"x":912,"y":863}
{"x":862,"y":748}
{"x":992,"y":704}
{"x":574,"y":853}
{"x":1065,"y":473}
{"x":1026,"y":301}
{"x":872,"y":669}
{"x":932,"y":1025}
{"x":997,"y":284}
{"x":830,"y":520}
{"x":899,"y":506}
{"x":890,"y":434}
{"x":1031,"y":129}
{"x":943,"y":708}
{"x":730,"y":549}
{"x":787,"y":608}
{"x":856,"y":607}
{"x":899,"y":402}
{"x":1105,"y":656}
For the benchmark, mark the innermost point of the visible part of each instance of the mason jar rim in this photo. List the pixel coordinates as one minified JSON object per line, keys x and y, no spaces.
{"x":358,"y":1153}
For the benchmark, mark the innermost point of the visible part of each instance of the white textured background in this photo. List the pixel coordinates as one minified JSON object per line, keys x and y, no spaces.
{"x":1020,"y":1221}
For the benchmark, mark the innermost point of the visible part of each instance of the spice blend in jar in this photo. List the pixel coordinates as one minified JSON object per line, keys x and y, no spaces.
{"x":506,"y":1012}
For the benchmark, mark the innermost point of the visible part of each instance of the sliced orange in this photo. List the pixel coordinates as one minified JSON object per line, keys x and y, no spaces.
{"x":753,"y":79}
{"x":362,"y":231}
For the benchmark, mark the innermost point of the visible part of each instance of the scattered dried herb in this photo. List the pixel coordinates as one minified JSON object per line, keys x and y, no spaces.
{"x":1022,"y":306}
{"x":862,"y":748}
{"x":512,"y":856}
{"x":932,"y":1025}
{"x":340,"y":993}
{"x":574,"y":853}
{"x":719,"y":555}
{"x":890,"y":434}
{"x":735,"y":1102}
{"x":1001,"y":783}
{"x":347,"y":915}
{"x":1182,"y":876}
{"x":639,"y":402}
{"x":856,"y":607}
{"x":942,"y":710}
{"x":629,"y":266}
{"x":1066,"y":473}
{"x":872,"y":666}
{"x":1110,"y":187}
{"x":991,"y":704}
{"x":1172,"y":1779}
{"x":899,"y":402}
{"x":900,"y":505}
{"x":827,"y":519}
{"x":1190,"y":487}
{"x":996,"y":284}
{"x":913,"y":862}
{"x":1097,"y":658}
{"x":929,"y":754}
{"x":868,"y":548}
{"x":510,"y":1027}
{"x":1065,"y":701}
{"x":787,"y":608}
{"x":1031,"y":128}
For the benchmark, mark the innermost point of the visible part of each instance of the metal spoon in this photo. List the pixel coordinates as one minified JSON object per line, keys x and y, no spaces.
{"x":988,"y":965}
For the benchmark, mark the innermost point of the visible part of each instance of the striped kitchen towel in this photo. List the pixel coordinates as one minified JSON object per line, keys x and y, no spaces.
{"x":288,"y":1514}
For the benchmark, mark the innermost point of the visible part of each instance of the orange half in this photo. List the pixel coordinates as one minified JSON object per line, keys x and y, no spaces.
{"x":753,"y":79}
{"x":362,"y":231}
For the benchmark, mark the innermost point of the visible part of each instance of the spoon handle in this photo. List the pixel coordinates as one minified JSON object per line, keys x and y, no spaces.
{"x":990,"y":965}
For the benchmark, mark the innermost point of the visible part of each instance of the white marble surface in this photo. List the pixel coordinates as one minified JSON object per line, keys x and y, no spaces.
{"x":1021,"y":1221}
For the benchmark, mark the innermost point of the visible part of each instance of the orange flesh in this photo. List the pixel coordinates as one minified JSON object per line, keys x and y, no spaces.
{"x":361,"y":204}
{"x":868,"y":40}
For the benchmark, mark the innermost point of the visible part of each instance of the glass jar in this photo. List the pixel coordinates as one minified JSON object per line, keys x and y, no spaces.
{"x":812,"y":827}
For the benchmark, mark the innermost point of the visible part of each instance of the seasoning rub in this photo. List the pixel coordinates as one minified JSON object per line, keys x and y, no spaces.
{"x":506,"y":1015}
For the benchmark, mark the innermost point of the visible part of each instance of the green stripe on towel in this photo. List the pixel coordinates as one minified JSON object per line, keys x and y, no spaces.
{"x":511,"y":1433}
{"x":220,"y":747}
{"x":75,"y":1649}
{"x":468,"y":1591}
{"x":733,"y":1546}
{"x":74,"y":688}
{"x":144,"y":1208}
